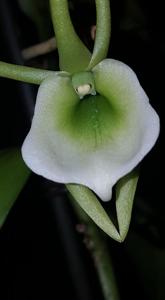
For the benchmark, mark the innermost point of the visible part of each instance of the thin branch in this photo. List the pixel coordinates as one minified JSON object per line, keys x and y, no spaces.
{"x":39,"y":49}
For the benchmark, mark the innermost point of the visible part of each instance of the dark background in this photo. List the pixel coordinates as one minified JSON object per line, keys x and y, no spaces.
{"x":41,"y":253}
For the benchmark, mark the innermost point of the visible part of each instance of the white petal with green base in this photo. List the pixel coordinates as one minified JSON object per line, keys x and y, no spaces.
{"x":94,"y":141}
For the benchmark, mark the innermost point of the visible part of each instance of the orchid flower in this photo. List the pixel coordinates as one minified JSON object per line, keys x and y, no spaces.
{"x":93,"y":123}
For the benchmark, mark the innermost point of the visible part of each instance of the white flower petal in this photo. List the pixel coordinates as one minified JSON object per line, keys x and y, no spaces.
{"x":94,"y":141}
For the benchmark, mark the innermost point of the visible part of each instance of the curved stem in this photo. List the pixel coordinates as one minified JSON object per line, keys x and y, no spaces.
{"x":22,"y":73}
{"x":39,"y":49}
{"x":96,"y":244}
{"x":73,"y":55}
{"x":103,"y":32}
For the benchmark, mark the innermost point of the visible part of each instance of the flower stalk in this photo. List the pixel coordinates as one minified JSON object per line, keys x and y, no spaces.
{"x":96,"y":244}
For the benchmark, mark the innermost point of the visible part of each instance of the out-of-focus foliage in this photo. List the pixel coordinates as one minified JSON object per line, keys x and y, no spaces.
{"x":13,"y":176}
{"x":38,"y":12}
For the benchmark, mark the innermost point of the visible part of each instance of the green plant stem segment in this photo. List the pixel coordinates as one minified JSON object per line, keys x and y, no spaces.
{"x":103,"y":32}
{"x":73,"y":54}
{"x":25,"y":74}
{"x":96,"y":243}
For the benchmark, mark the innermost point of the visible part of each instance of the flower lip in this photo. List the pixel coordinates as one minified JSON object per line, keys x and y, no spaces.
{"x":65,"y":145}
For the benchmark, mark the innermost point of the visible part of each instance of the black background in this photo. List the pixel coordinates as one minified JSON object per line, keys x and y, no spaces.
{"x":41,"y":254}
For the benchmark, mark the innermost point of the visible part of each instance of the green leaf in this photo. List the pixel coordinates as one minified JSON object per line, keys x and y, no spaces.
{"x":125,"y":192}
{"x":13,"y":176}
{"x":73,"y":54}
{"x":90,"y":204}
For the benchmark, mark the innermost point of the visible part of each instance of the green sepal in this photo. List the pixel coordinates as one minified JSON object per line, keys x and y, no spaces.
{"x":26,"y":74}
{"x":125,"y":192}
{"x":103,"y":33}
{"x":91,"y":205}
{"x":73,"y":54}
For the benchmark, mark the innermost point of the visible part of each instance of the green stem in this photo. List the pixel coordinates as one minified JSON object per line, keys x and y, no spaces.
{"x":22,"y":73}
{"x":98,"y":248}
{"x":73,"y":55}
{"x":103,"y":32}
